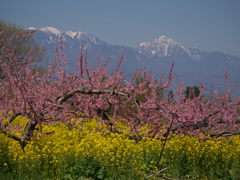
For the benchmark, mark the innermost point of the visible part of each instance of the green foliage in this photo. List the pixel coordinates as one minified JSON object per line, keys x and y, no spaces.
{"x":25,"y":48}
{"x":192,"y":92}
{"x":170,"y":94}
{"x":87,"y":167}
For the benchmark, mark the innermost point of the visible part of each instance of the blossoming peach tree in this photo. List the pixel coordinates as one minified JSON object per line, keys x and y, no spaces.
{"x":60,"y":95}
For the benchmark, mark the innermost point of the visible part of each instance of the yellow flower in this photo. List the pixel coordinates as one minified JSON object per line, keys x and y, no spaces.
{"x":5,"y":164}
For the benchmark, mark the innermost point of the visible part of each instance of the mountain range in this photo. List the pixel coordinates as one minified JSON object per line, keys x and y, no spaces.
{"x":191,"y":64}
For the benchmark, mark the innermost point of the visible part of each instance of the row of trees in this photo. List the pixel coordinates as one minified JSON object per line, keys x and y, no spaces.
{"x":59,"y":95}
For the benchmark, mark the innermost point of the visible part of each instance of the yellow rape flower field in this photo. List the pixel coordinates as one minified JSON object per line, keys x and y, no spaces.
{"x":63,"y":152}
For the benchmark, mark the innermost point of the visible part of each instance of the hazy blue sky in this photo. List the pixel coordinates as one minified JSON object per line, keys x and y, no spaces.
{"x":212,"y":25}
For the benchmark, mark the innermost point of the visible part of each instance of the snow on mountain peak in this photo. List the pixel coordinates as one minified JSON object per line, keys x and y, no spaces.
{"x":32,"y":28}
{"x":162,"y":47}
{"x":165,"y":40}
{"x":79,"y":34}
{"x":71,"y":34}
{"x":161,"y":41}
{"x":51,"y":30}
{"x":75,"y":36}
{"x":144,"y":44}
{"x":84,"y":34}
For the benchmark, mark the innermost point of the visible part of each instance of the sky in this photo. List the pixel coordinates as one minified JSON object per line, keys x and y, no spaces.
{"x":212,"y":25}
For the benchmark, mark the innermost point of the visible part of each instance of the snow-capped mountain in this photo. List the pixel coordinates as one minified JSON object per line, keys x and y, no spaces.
{"x":91,"y":47}
{"x":162,"y":47}
{"x":74,"y":38}
{"x":191,"y":64}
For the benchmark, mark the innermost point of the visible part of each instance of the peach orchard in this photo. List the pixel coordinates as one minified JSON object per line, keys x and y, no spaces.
{"x":61,"y":95}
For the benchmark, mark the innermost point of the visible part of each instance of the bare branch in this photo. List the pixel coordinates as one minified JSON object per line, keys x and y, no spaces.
{"x":11,"y":120}
{"x":224,"y":134}
{"x":65,"y":97}
{"x":13,"y":136}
